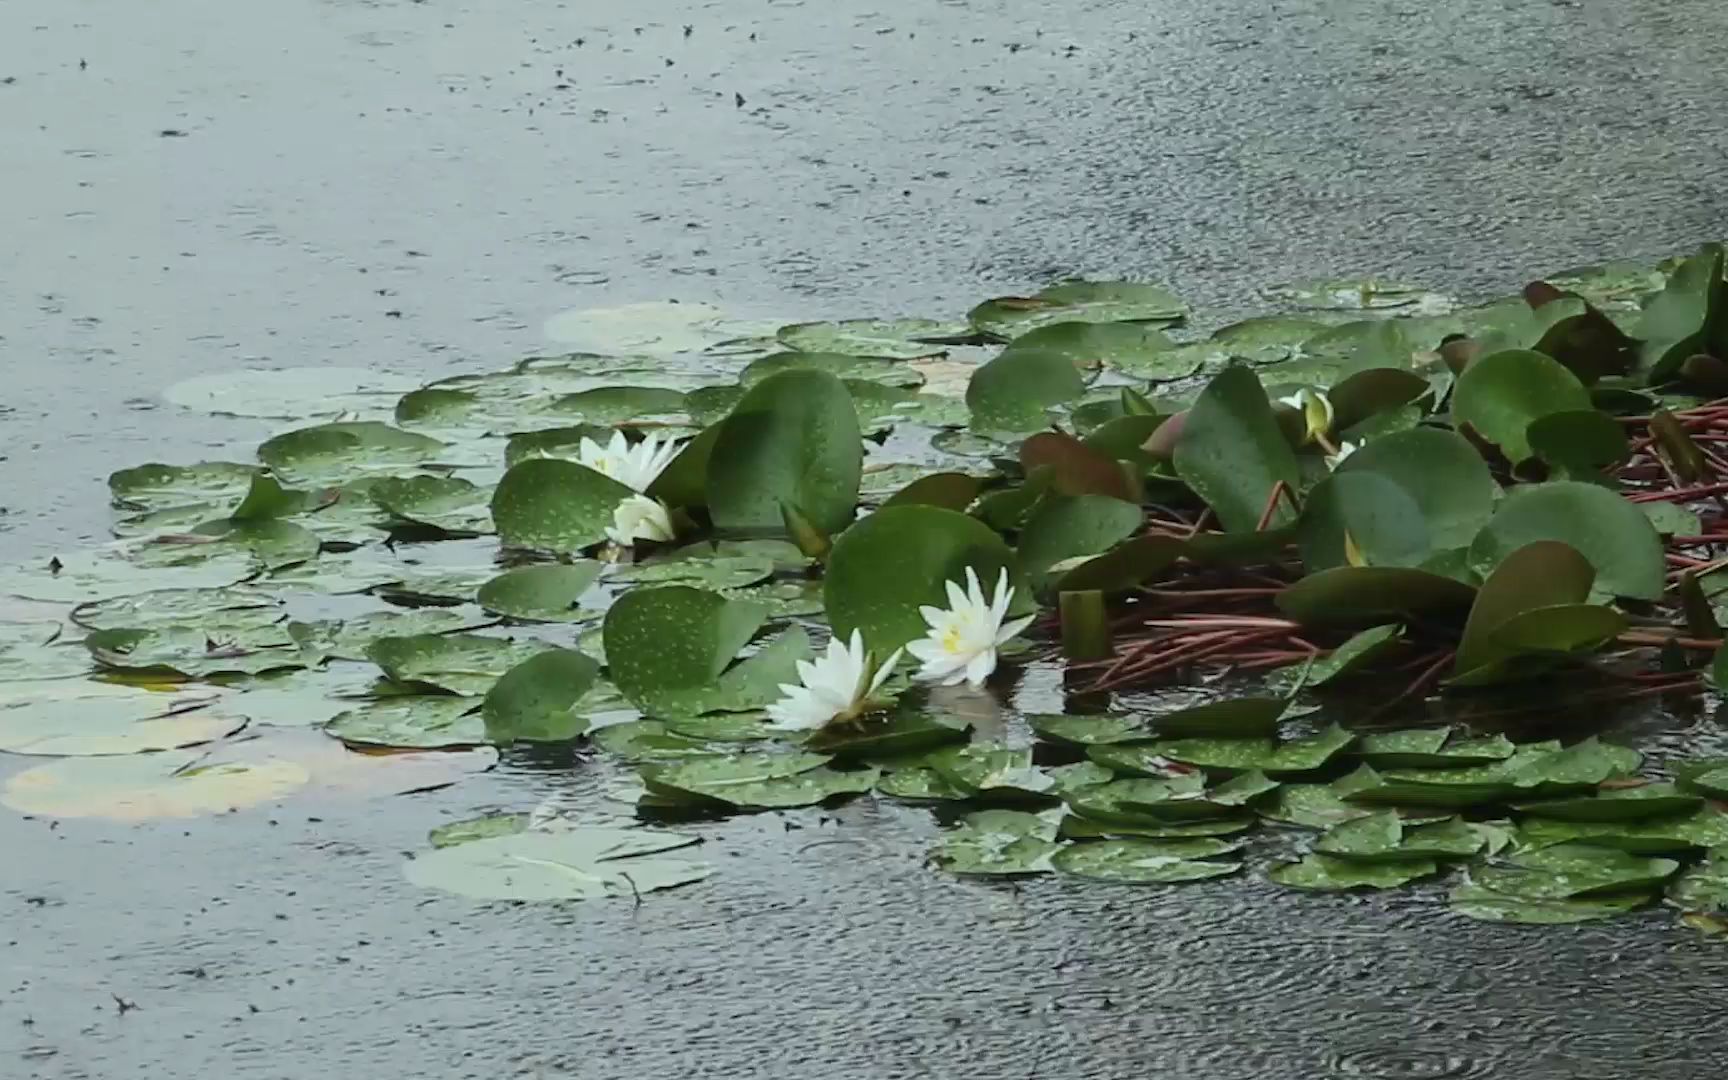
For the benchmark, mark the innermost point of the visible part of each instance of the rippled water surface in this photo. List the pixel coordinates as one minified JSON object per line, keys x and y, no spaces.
{"x":194,"y":186}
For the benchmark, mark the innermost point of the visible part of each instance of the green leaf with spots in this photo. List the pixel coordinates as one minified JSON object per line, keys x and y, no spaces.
{"x":669,"y":650}
{"x":171,"y":607}
{"x":1499,"y":396}
{"x":638,"y":741}
{"x":550,"y":505}
{"x":1659,"y":836}
{"x":1427,"y":748}
{"x":792,"y":441}
{"x":448,"y":503}
{"x":841,"y":366}
{"x":1708,"y":776}
{"x":1566,"y":871}
{"x":348,"y":639}
{"x":903,"y":731}
{"x":416,"y":722}
{"x":464,"y":664}
{"x":1639,"y":803}
{"x":1704,"y":887}
{"x":1133,"y":348}
{"x":548,"y":593}
{"x":1013,"y":393}
{"x":1325,"y":873}
{"x":1089,"y":730}
{"x":700,"y":567}
{"x":335,"y":453}
{"x":1486,"y":905}
{"x":999,"y":842}
{"x":1009,"y":317}
{"x":1233,"y":454}
{"x":1611,"y":533}
{"x":1063,"y":527}
{"x":920,"y":785}
{"x":884,"y":568}
{"x":540,"y":699}
{"x":195,"y":651}
{"x":161,"y":487}
{"x":895,"y":339}
{"x":1146,"y":862}
{"x":1266,"y":755}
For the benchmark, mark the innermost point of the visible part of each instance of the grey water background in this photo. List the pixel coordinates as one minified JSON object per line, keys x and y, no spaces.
{"x":194,"y":186}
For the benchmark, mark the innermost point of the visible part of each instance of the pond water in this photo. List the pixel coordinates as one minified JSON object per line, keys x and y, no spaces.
{"x":196,"y":186}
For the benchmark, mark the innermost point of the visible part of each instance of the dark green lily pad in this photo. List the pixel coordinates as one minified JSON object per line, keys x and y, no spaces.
{"x":1613,"y":534}
{"x":1233,"y":454}
{"x":1659,"y":836}
{"x":539,"y":699}
{"x":1704,"y":887}
{"x":1616,"y":805}
{"x":1013,"y":393}
{"x":671,"y":652}
{"x":1425,"y":748}
{"x":793,"y":441}
{"x":464,"y":664}
{"x":903,"y":731}
{"x":1386,"y":837}
{"x":1708,"y":776}
{"x":898,"y":339}
{"x":335,"y":453}
{"x":551,"y":505}
{"x":1567,"y":871}
{"x":1010,"y":317}
{"x":1266,"y":755}
{"x":1326,"y":873}
{"x":700,"y":567}
{"x":1358,"y":594}
{"x":1063,"y":527}
{"x":1499,"y":396}
{"x":1089,"y":730}
{"x":1476,"y":902}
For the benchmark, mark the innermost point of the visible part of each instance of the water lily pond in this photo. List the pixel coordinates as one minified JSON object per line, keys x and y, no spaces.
{"x":1347,"y":596}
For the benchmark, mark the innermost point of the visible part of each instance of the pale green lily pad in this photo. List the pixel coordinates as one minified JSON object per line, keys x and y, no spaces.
{"x":920,"y":785}
{"x":143,"y":723}
{"x":1146,"y":862}
{"x":1706,"y":828}
{"x":564,"y":864}
{"x":1355,"y":294}
{"x":485,"y":827}
{"x":303,"y":393}
{"x":169,"y":607}
{"x":1009,"y":317}
{"x":839,"y":365}
{"x":1704,"y":887}
{"x":1476,"y":902}
{"x":349,"y":639}
{"x":1324,"y":873}
{"x":698,"y":568}
{"x":994,"y":773}
{"x":101,"y":573}
{"x":336,"y":453}
{"x":999,"y":842}
{"x":1267,"y":755}
{"x":639,"y":741}
{"x":1424,"y":748}
{"x":136,"y":787}
{"x":195,"y":652}
{"x":465,"y":664}
{"x":1386,"y":837}
{"x":542,"y":593}
{"x":445,"y":587}
{"x":897,"y":339}
{"x":419,"y":722}
{"x":783,"y":599}
{"x":163,"y":487}
{"x":448,"y":503}
{"x":759,"y":780}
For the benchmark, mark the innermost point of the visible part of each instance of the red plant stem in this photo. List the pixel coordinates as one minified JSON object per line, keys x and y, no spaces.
{"x":1639,"y":637}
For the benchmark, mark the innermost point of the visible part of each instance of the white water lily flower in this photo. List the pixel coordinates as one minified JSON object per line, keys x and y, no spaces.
{"x":836,"y":686}
{"x":634,"y":466}
{"x":962,"y":641}
{"x":640,"y":518}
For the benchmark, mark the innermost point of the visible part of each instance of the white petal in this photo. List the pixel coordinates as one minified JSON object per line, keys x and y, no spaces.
{"x":957,"y":597}
{"x":974,"y":589}
{"x":1013,"y":628}
{"x":886,"y":669}
{"x":925,"y":650}
{"x":980,"y":667}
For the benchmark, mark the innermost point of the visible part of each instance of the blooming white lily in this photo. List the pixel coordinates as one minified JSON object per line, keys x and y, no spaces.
{"x":640,"y":518}
{"x":962,"y":641}
{"x":634,"y":466}
{"x":836,"y":686}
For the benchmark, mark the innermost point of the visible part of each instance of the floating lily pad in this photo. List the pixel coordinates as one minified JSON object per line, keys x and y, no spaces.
{"x":1233,"y":454}
{"x":1266,"y":755}
{"x":1658,"y":836}
{"x":162,"y":487}
{"x":1089,"y":730}
{"x":1704,"y":887}
{"x":136,"y":787}
{"x":1083,"y":828}
{"x":1326,"y":873}
{"x":1009,"y":317}
{"x":1353,"y":294}
{"x":994,"y":773}
{"x":169,"y":607}
{"x":701,"y":568}
{"x":649,"y":741}
{"x":1424,"y":748}
{"x":335,"y":453}
{"x":442,"y":502}
{"x":1613,"y":534}
{"x":542,"y":593}
{"x":290,"y":393}
{"x":899,"y":339}
{"x":1387,"y":837}
{"x":1357,"y":594}
{"x":1476,"y":902}
{"x":792,"y":442}
{"x":671,"y":652}
{"x":1616,"y":804}
{"x":903,"y":731}
{"x":1063,"y":527}
{"x":920,"y":785}
{"x":1146,"y":862}
{"x":539,"y":699}
{"x":485,"y":827}
{"x":552,"y":505}
{"x":1708,"y":776}
{"x":143,"y":723}
{"x":194,"y":652}
{"x":1014,"y":392}
{"x":894,"y":561}
{"x":420,"y":722}
{"x":466,"y":664}
{"x":1133,"y":348}
{"x":1567,"y":871}
{"x":563,"y":864}
{"x":348,"y":639}
{"x":1230,"y":718}
{"x":999,"y":842}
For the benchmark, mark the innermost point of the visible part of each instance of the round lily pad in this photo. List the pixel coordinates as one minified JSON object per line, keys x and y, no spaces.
{"x":1146,"y":862}
{"x":542,"y":593}
{"x":562,"y":864}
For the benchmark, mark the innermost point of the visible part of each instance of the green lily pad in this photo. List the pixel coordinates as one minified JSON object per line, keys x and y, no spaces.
{"x":700,"y":568}
{"x":1353,"y":294}
{"x":640,"y":741}
{"x":1657,"y":836}
{"x":163,"y":487}
{"x":142,"y":723}
{"x":289,"y":393}
{"x":839,"y":365}
{"x":485,"y":827}
{"x":1356,"y":654}
{"x":1146,"y":862}
{"x":757,"y":781}
{"x":1010,"y":317}
{"x":1424,"y":748}
{"x":1616,"y":804}
{"x":1361,"y":518}
{"x":451,"y":504}
{"x":1704,"y":887}
{"x":564,"y":864}
{"x":1685,"y":317}
{"x":1316,"y":806}
{"x":1476,"y":902}
{"x":1083,"y":828}
{"x":1131,"y":348}
{"x":1014,"y":392}
{"x":1089,"y":730}
{"x":1266,"y":755}
{"x":1326,"y":873}
{"x":784,"y":599}
{"x":548,"y":593}
{"x":920,"y":785}
{"x":1441,"y":472}
{"x":539,"y":699}
{"x":793,"y":441}
{"x":1708,"y":776}
{"x":999,"y":842}
{"x":903,"y":731}
{"x":170,"y":607}
{"x":884,"y":568}
{"x":1387,"y":837}
{"x":1536,"y":577}
{"x":1357,"y":594}
{"x":547,"y":504}
{"x":1063,"y":527}
{"x":463,"y":664}
{"x":420,"y":722}
{"x":1613,"y":534}
{"x":335,"y":453}
{"x":1230,"y":718}
{"x":1568,"y":871}
{"x":194,"y":652}
{"x":670,"y":651}
{"x":895,"y":339}
{"x":348,"y":639}
{"x":1233,"y":454}
{"x":1499,"y":396}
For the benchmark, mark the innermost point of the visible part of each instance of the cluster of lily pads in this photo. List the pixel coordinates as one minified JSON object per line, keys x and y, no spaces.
{"x":638,"y":548}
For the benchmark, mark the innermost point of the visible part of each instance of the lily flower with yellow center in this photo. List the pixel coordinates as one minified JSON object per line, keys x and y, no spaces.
{"x":962,"y":641}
